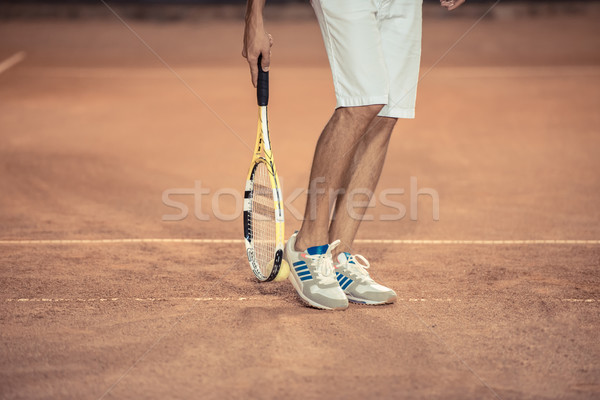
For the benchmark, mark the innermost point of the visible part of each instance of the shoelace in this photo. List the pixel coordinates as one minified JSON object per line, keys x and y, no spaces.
{"x":324,"y":265}
{"x":360,"y":269}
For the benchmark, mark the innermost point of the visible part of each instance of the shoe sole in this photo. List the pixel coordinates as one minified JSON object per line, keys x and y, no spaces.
{"x":364,"y":302}
{"x":309,"y":301}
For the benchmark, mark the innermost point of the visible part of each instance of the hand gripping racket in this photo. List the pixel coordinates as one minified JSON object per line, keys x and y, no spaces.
{"x":263,"y":204}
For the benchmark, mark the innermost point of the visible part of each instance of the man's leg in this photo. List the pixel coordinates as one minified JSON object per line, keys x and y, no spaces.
{"x":332,"y":160}
{"x":362,"y":175}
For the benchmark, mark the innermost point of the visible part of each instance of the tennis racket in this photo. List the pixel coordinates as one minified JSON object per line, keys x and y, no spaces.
{"x":263,"y":204}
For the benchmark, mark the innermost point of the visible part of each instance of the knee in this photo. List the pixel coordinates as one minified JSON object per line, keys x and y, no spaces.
{"x":387,"y":123}
{"x":360,"y":115}
{"x":381,"y":129}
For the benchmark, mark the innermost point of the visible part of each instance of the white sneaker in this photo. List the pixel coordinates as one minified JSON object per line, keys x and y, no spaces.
{"x":312,"y":275}
{"x":357,"y":284}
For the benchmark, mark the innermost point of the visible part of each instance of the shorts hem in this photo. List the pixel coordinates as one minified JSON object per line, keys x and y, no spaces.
{"x":361,"y":101}
{"x":407,"y":113}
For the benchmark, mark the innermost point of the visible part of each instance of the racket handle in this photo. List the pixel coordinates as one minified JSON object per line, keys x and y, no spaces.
{"x":262,"y":86}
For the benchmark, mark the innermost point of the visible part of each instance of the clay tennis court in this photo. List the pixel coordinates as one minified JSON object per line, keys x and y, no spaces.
{"x":102,"y":296}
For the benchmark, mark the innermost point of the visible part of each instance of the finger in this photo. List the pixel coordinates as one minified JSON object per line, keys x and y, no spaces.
{"x":455,"y":5}
{"x":266,"y":60}
{"x":447,"y":3}
{"x":253,"y":71}
{"x":244,"y":52}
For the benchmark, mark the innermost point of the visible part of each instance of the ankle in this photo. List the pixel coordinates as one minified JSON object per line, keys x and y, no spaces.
{"x":300,"y":244}
{"x":304,"y":242}
{"x":341,"y":248}
{"x":335,"y":254}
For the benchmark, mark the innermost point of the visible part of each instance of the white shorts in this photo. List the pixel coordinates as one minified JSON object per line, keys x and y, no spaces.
{"x":374,"y":49}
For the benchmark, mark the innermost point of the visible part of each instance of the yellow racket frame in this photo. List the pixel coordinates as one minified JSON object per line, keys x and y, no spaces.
{"x":264,"y":154}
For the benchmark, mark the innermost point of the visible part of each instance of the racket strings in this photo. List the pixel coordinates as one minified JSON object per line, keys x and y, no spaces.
{"x":263,"y":219}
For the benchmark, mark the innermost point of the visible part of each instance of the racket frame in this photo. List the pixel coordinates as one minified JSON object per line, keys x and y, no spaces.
{"x":263,"y":154}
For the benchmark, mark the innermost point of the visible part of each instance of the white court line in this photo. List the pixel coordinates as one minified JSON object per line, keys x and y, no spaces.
{"x":487,"y":242}
{"x":113,"y":299}
{"x":226,"y":299}
{"x":225,"y":241}
{"x":120,"y":241}
{"x":12,"y":61}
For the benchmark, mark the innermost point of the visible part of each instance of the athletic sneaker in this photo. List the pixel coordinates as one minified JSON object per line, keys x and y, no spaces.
{"x":356,"y":282}
{"x":312,"y":275}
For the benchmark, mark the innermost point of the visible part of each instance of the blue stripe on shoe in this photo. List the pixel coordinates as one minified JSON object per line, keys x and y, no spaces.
{"x":343,"y":280}
{"x":347,"y":284}
{"x":299,"y":262}
{"x":339,"y":276}
{"x":298,"y":269}
{"x":304,"y":273}
{"x":305,"y":278}
{"x":317,"y":249}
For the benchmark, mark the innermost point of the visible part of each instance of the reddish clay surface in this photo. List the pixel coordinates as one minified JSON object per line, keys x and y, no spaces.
{"x":93,"y":129}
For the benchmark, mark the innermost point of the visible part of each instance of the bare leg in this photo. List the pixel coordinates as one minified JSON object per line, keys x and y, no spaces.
{"x":363,"y":173}
{"x":333,"y":157}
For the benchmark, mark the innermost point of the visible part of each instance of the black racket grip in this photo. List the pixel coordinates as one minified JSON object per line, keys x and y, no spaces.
{"x":262,"y":86}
